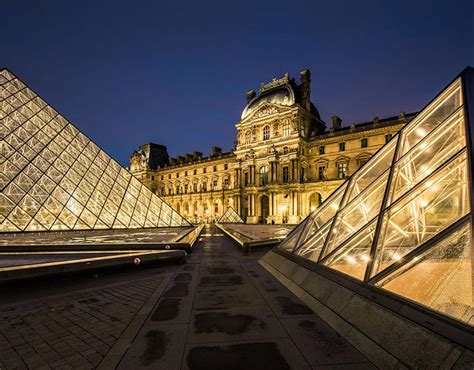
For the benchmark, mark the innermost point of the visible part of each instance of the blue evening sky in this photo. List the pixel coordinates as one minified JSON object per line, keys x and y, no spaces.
{"x":176,"y":73}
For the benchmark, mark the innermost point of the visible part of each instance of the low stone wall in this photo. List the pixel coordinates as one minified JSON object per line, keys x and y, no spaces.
{"x":387,"y":338}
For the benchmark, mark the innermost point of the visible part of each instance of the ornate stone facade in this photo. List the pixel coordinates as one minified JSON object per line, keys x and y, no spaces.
{"x":285,"y":161}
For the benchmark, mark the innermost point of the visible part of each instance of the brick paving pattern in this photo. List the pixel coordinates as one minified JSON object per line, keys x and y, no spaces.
{"x":71,"y":330}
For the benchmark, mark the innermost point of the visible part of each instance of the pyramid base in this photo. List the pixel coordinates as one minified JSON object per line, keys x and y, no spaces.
{"x":390,"y":332}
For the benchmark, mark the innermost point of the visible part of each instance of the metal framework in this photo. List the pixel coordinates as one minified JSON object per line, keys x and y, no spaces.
{"x":230,"y":217}
{"x":402,"y":223}
{"x":53,"y":177}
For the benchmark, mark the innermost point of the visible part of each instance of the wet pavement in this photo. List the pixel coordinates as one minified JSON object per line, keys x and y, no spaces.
{"x":220,"y":310}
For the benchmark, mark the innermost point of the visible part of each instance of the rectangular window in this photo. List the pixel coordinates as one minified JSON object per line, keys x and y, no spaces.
{"x":204,"y":170}
{"x":342,"y":170}
{"x":152,"y":178}
{"x":226,"y":182}
{"x":214,"y":185}
{"x":169,"y":176}
{"x":322,"y":172}
{"x":204,"y":186}
{"x":195,"y":171}
{"x":162,"y":177}
{"x":246,"y":179}
{"x":322,"y":149}
{"x":195,"y":187}
{"x":177,"y":174}
{"x":388,"y":137}
{"x":185,"y":188}
{"x":364,"y":143}
{"x":285,"y":174}
{"x":226,"y":166}
{"x":215,"y":168}
{"x":185,"y":173}
{"x":342,"y":147}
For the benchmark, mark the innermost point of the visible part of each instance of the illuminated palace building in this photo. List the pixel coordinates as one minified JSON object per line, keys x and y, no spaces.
{"x":286,"y":160}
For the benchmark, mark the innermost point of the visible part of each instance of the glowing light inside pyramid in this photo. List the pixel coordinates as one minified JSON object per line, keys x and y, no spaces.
{"x":230,"y":217}
{"x":402,"y":222}
{"x":52,"y":177}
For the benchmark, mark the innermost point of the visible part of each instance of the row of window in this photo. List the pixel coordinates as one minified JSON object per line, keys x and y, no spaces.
{"x":195,"y":171}
{"x":364,"y":143}
{"x":266,"y":132}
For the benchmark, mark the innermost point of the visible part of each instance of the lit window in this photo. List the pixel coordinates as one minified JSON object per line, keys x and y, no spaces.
{"x":263,"y":175}
{"x":286,"y":129}
{"x":342,"y":170}
{"x":266,"y":133}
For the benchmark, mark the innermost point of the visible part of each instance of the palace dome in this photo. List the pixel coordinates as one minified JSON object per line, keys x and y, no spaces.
{"x":281,"y":95}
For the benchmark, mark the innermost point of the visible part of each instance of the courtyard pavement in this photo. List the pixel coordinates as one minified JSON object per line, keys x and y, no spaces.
{"x":220,"y":310}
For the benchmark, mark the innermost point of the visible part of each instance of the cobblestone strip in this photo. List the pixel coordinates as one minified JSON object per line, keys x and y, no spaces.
{"x":118,"y":350}
{"x":72,"y":330}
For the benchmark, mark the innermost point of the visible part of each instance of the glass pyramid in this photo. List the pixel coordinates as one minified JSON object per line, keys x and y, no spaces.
{"x":230,"y":217}
{"x":402,"y":222}
{"x":52,"y":177}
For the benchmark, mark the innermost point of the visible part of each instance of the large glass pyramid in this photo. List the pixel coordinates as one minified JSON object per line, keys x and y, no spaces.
{"x":402,"y":222}
{"x":230,"y":217}
{"x":52,"y":177}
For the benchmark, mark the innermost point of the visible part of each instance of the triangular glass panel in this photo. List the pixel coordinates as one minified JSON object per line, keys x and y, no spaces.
{"x":230,"y":216}
{"x":46,"y":158}
{"x":440,"y":278}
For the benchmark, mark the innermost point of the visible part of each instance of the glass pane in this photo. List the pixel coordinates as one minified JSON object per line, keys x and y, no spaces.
{"x":431,"y":117}
{"x":328,"y":209}
{"x":357,"y":213}
{"x":432,"y":206}
{"x":375,"y":167}
{"x":311,"y":248}
{"x":290,"y":242}
{"x":441,"y":278}
{"x":352,"y":257}
{"x":428,"y":155}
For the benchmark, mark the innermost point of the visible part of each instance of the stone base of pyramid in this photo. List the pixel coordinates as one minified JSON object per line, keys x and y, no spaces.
{"x":270,"y":236}
{"x":390,"y":332}
{"x":36,"y":265}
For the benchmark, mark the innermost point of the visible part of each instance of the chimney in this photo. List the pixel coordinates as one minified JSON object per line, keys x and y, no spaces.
{"x":216,"y":151}
{"x":197,"y":155}
{"x":336,"y":123}
{"x":250,"y":95}
{"x":305,"y":88}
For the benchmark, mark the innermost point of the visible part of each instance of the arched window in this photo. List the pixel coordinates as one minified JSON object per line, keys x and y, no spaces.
{"x":266,"y":132}
{"x":248,"y":137}
{"x":263,"y":175}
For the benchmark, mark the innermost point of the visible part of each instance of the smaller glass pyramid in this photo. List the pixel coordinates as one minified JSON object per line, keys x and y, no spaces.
{"x":230,"y":217}
{"x":53,"y":177}
{"x":402,"y":222}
